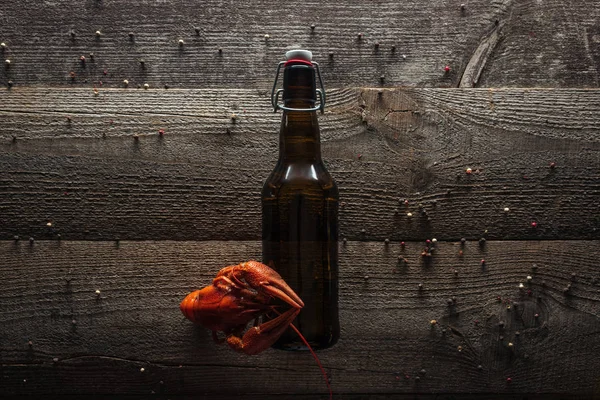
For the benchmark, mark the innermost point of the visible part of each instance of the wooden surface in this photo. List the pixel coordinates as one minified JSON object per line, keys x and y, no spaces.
{"x":93,"y":180}
{"x":386,"y":332}
{"x":521,"y":94}
{"x":552,"y":43}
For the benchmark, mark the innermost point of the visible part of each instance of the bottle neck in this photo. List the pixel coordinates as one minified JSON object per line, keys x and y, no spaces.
{"x":299,"y":138}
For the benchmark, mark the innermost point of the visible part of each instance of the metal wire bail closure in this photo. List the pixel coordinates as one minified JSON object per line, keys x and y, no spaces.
{"x":276,"y":92}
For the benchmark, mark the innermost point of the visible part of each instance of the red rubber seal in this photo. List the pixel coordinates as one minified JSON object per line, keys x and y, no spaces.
{"x":297,"y":61}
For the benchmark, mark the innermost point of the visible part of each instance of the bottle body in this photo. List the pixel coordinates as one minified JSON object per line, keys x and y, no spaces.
{"x":300,"y":241}
{"x":300,"y":215}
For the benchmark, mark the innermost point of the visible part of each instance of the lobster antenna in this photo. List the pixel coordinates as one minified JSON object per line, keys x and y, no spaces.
{"x":313,"y":354}
{"x":316,"y":359}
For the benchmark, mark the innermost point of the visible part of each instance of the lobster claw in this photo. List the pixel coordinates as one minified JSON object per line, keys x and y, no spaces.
{"x":264,"y":280}
{"x":259,"y":338}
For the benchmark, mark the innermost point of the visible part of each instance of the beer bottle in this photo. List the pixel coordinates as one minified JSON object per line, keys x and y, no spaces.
{"x":300,"y":208}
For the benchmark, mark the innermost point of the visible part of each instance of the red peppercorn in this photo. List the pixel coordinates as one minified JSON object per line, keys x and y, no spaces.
{"x":161,"y":132}
{"x":533,"y":224}
{"x":508,"y":380}
{"x":447,"y":68}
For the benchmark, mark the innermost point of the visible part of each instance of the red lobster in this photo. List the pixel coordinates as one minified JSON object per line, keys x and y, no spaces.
{"x":239,"y":294}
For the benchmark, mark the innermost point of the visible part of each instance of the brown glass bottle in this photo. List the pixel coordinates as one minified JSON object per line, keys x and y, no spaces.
{"x":300,"y":216}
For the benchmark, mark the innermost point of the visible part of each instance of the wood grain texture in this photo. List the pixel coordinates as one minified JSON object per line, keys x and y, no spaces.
{"x":92,"y":179}
{"x":93,"y":166}
{"x":553,"y":43}
{"x":83,"y":343}
{"x":341,"y":396}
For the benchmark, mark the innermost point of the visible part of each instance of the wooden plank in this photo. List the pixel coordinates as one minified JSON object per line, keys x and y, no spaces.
{"x":100,"y":343}
{"x":499,"y":43}
{"x":344,"y":396}
{"x":93,"y":180}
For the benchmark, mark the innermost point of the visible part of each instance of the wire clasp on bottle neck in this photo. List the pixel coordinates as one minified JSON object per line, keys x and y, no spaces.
{"x":276,"y":92}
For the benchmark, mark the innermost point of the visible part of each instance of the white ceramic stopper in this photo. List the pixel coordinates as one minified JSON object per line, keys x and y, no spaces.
{"x":298,"y":55}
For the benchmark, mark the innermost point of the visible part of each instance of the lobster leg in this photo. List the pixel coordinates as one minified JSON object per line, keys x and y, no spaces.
{"x":260,"y":338}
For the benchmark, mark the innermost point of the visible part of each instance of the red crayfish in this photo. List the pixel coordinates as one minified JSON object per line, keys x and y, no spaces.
{"x":239,"y":294}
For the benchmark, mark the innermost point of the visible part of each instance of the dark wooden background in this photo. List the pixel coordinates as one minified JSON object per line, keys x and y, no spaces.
{"x":145,"y":218}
